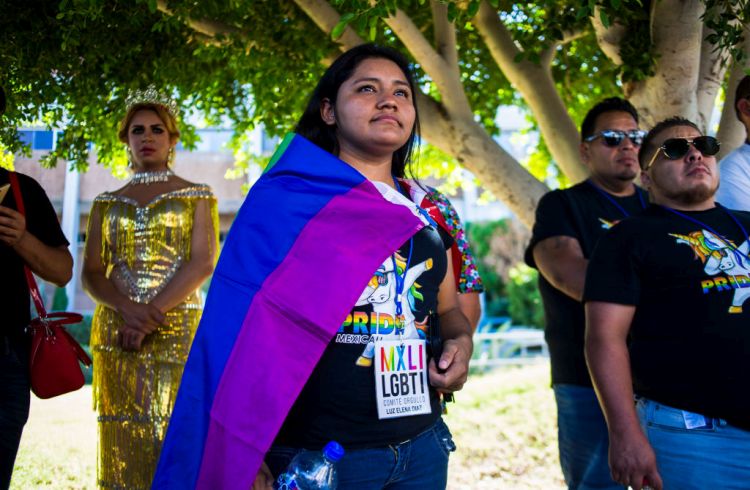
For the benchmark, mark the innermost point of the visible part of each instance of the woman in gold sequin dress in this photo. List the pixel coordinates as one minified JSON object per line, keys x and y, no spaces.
{"x":150,"y":245}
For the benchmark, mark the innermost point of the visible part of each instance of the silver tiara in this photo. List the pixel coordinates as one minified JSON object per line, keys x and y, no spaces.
{"x":151,"y":96}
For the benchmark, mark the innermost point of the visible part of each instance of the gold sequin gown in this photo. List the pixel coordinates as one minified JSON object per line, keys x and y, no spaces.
{"x":134,"y":392}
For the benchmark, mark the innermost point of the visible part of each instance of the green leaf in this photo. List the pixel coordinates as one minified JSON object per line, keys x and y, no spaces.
{"x":338,"y":29}
{"x":604,"y":18}
{"x":361,"y":23}
{"x":391,"y":6}
{"x":452,"y":11}
{"x":152,"y":6}
{"x":473,"y":8}
{"x":347,"y":17}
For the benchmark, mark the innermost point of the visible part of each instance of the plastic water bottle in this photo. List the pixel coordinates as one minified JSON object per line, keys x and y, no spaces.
{"x":312,"y":470}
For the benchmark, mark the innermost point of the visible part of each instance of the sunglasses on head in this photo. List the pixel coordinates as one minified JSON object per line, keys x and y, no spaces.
{"x":676,"y":148}
{"x":613,"y":138}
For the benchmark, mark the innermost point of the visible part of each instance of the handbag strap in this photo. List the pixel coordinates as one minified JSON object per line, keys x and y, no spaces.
{"x":33,"y":288}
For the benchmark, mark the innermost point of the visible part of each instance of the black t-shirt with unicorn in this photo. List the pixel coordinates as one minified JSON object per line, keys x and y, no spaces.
{"x":583,"y":212}
{"x":689,"y":277}
{"x":339,"y":402}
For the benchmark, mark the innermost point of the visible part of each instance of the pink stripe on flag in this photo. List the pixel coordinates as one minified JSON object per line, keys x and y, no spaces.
{"x":289,"y":324}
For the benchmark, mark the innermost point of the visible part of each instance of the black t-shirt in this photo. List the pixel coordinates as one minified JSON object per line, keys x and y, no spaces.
{"x":338,"y":400}
{"x":582,"y":212}
{"x":689,"y":341}
{"x":41,"y":221}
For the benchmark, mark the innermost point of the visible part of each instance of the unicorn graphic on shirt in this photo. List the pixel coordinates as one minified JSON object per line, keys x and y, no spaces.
{"x":380,"y":292}
{"x":606,"y":224}
{"x":721,"y":256}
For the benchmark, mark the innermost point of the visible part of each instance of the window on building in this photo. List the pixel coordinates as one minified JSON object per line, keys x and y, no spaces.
{"x":43,"y":140}
{"x":26,"y":137}
{"x":37,"y":139}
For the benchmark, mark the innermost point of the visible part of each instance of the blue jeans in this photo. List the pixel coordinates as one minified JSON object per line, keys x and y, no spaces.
{"x":420,"y":463}
{"x":715,"y":455}
{"x":14,"y":401}
{"x":582,"y":439}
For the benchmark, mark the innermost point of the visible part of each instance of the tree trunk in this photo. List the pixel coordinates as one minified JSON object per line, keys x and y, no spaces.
{"x":472,"y":146}
{"x":535,"y":83}
{"x":672,"y":91}
{"x":713,"y":67}
{"x":731,"y":131}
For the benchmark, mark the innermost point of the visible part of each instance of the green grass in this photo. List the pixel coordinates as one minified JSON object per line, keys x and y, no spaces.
{"x":503,"y":424}
{"x":58,"y":448}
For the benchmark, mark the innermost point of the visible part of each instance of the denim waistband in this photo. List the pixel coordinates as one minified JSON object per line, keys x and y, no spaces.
{"x":677,"y":417}
{"x":439,"y":423}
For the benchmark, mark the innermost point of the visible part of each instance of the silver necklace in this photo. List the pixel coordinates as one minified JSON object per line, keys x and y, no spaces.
{"x":147,"y":178}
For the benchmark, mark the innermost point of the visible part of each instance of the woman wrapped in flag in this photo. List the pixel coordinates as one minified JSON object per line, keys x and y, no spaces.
{"x":329,"y":288}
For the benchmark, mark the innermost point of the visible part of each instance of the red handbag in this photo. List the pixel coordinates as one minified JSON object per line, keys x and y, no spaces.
{"x":55,"y":355}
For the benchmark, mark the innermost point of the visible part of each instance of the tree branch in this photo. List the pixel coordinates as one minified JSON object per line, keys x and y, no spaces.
{"x":713,"y":66}
{"x":677,"y":45}
{"x":207,"y":27}
{"x":207,"y":40}
{"x":609,"y":38}
{"x":572,"y":35}
{"x":326,"y":18}
{"x":445,"y":34}
{"x":463,"y":138}
{"x":537,"y":87}
{"x":472,"y":146}
{"x":445,"y":76}
{"x":497,"y":37}
{"x":548,"y":55}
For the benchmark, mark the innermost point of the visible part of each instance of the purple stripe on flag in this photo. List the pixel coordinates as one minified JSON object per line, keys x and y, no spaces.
{"x":289,"y":324}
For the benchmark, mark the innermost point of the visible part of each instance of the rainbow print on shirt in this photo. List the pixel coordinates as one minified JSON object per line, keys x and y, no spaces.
{"x":607,"y":224}
{"x":723,"y":259}
{"x":380,"y":294}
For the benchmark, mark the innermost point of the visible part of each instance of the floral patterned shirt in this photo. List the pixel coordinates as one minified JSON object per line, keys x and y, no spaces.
{"x":469,"y":280}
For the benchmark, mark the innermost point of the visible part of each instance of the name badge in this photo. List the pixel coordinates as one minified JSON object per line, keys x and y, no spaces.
{"x":401,"y":382}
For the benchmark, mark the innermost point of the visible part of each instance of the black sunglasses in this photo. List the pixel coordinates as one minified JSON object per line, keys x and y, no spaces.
{"x":613,"y":138}
{"x":676,"y":148}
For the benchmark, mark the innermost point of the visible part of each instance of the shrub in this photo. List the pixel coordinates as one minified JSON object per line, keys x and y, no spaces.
{"x":525,"y":302}
{"x":60,"y":300}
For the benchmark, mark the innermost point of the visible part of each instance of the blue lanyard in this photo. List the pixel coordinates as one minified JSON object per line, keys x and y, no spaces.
{"x":401,"y":278}
{"x":614,"y":202}
{"x":704,"y":225}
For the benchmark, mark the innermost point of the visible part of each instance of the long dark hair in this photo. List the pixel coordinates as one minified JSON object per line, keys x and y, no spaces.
{"x":312,"y":126}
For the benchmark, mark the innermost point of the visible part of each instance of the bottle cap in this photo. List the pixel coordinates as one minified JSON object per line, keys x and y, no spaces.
{"x":333,"y":451}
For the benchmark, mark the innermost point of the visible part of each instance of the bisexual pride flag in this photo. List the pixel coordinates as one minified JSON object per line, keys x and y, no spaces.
{"x":302,"y":248}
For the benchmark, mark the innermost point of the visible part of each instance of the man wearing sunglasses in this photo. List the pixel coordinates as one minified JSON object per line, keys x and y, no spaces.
{"x":734,"y":191}
{"x":668,"y":322}
{"x":568,"y":225}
